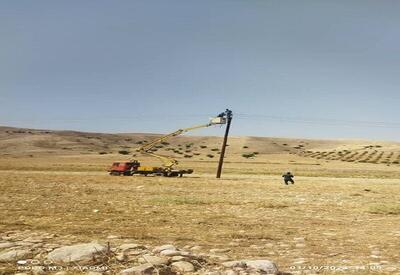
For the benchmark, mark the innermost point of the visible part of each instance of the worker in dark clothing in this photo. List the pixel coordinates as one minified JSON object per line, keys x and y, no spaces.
{"x":288,"y":177}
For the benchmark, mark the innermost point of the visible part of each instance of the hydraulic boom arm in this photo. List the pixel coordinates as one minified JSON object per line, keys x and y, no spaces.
{"x":168,"y":161}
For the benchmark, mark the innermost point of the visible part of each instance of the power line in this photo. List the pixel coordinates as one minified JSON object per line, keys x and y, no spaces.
{"x":150,"y":117}
{"x":319,"y":121}
{"x":238,"y":116}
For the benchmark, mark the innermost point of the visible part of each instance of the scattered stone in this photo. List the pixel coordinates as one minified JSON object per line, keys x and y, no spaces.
{"x":120,"y":257}
{"x":154,"y":260}
{"x":221,"y":258}
{"x":259,"y":265}
{"x":262,"y":265}
{"x":233,"y":264}
{"x":165,"y":259}
{"x":182,"y":266}
{"x":14,"y":254}
{"x":113,"y":237}
{"x":158,"y":249}
{"x":220,"y":250}
{"x":177,"y":258}
{"x":170,"y":253}
{"x":77,"y":253}
{"x":133,"y":249}
{"x":144,"y":269}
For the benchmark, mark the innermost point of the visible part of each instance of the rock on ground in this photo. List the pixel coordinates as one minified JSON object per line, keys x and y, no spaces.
{"x":177,"y":258}
{"x":260,"y":265}
{"x":232,"y":264}
{"x":77,"y":253}
{"x":170,"y":253}
{"x":158,"y":249}
{"x":154,"y":260}
{"x":144,"y":269}
{"x":182,"y":266}
{"x":14,"y":254}
{"x":220,"y":250}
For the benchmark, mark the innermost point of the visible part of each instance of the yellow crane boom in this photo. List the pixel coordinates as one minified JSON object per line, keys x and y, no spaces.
{"x":168,"y":161}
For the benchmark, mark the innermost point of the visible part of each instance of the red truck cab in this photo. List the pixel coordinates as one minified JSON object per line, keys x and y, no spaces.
{"x":124,"y":168}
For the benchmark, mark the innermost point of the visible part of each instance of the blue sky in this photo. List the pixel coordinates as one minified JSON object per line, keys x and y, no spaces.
{"x":316,"y":69}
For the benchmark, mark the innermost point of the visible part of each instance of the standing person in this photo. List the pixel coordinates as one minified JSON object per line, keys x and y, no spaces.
{"x":288,"y":177}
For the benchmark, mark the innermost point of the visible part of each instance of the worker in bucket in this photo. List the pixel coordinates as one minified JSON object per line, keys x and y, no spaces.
{"x":288,"y":177}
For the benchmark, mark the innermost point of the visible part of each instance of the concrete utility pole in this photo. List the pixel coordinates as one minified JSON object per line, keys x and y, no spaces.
{"x":228,"y":114}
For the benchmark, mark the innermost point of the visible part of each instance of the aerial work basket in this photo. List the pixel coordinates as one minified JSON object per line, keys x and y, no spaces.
{"x":217,"y":120}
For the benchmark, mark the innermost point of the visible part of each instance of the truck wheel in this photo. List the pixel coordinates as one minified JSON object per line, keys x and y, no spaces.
{"x":172,"y":174}
{"x":115,"y":173}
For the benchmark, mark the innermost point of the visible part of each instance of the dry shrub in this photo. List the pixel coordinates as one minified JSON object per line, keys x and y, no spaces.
{"x":248,"y":155}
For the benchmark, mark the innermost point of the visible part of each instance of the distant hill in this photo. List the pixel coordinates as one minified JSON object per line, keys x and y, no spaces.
{"x":21,"y":141}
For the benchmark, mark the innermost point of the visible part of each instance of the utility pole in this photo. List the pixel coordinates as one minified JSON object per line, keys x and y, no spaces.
{"x":228,"y":114}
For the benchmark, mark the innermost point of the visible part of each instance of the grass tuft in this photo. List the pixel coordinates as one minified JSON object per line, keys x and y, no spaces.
{"x":173,"y":200}
{"x":385,"y":209}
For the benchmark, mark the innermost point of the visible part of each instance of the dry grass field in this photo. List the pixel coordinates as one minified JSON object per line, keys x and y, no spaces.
{"x":343,"y":210}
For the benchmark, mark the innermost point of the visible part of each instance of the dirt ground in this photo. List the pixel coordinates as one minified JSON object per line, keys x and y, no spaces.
{"x":334,"y":215}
